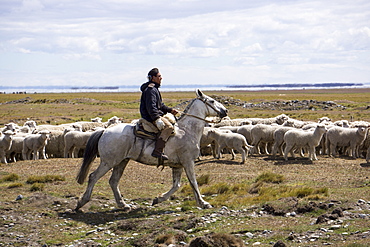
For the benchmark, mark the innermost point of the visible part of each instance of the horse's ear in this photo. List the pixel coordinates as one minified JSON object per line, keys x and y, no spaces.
{"x":199,"y":93}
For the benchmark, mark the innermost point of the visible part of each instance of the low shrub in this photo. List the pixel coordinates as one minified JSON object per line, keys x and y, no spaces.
{"x":14,"y":185}
{"x":37,"y":187}
{"x":270,"y":177}
{"x":45,"y":179}
{"x":203,"y":179}
{"x":10,"y":178}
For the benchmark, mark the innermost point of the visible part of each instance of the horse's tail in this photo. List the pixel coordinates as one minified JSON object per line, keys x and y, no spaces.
{"x":91,"y":151}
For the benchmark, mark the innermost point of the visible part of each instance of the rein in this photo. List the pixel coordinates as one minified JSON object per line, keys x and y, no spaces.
{"x":203,"y":119}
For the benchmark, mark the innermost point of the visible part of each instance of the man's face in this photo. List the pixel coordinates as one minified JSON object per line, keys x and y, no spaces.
{"x":157,"y":78}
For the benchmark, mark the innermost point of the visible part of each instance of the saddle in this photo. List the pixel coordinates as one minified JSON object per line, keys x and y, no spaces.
{"x":148,"y":130}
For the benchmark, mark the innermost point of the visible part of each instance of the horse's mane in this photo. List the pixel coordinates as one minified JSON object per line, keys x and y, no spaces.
{"x":186,"y":109}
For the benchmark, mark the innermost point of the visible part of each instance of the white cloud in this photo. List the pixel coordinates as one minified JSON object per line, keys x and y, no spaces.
{"x":271,"y":40}
{"x":30,"y":6}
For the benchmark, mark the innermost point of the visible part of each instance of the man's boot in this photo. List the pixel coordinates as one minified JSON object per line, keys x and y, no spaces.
{"x":158,"y":149}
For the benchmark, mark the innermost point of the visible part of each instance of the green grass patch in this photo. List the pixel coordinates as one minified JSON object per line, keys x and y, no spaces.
{"x":44,"y":179}
{"x":235,"y":195}
{"x":203,"y":179}
{"x":276,"y":192}
{"x":10,"y":178}
{"x":270,"y":177}
{"x":14,"y":185}
{"x":37,"y":187}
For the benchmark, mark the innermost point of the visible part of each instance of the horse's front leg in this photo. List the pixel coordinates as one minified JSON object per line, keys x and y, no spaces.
{"x":176,"y":183}
{"x":189,"y":169}
{"x":114,"y":181}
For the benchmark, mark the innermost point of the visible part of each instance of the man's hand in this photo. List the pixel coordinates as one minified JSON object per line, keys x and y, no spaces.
{"x":159,"y":123}
{"x":174,"y":111}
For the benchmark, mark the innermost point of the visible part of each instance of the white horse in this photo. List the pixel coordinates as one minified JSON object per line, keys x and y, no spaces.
{"x":117,"y":145}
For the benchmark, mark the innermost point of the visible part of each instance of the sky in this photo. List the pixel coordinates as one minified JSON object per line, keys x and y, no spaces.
{"x":212,"y":42}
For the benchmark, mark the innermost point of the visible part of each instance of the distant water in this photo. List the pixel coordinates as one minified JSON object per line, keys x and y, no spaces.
{"x":174,"y":88}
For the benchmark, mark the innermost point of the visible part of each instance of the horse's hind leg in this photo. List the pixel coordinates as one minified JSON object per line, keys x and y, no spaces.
{"x":93,"y":178}
{"x":176,"y":182}
{"x":114,"y":180}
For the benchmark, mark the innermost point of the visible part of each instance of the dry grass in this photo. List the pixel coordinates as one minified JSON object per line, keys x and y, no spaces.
{"x":347,"y":181}
{"x":69,"y":107}
{"x":45,"y":213}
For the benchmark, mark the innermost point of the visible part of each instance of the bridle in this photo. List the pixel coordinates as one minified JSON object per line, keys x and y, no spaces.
{"x":205,"y":101}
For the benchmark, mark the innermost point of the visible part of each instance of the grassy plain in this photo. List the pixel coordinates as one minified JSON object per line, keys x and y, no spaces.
{"x":62,"y":108}
{"x":45,"y":216}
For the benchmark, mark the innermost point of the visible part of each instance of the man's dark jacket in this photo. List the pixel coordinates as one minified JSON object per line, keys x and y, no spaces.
{"x":151,"y":106}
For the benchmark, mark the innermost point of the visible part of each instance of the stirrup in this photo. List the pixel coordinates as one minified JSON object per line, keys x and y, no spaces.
{"x":161,"y":156}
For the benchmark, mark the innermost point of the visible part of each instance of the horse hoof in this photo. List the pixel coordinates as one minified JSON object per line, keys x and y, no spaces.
{"x":155,"y":201}
{"x":78,"y":210}
{"x":125,"y":208}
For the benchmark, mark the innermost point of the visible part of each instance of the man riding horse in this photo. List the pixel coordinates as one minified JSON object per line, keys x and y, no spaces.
{"x":153,"y":109}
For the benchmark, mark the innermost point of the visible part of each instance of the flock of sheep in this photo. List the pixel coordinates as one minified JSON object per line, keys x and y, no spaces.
{"x":32,"y":141}
{"x":269,"y":136}
{"x":285,"y":136}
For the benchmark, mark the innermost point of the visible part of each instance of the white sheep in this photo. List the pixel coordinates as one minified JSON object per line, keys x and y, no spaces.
{"x":368,"y":155}
{"x":74,"y":141}
{"x":279,"y":140}
{"x":280,"y":119}
{"x":62,"y":127}
{"x":365,"y":145}
{"x":87,"y":126}
{"x":55,"y":145}
{"x":296,"y":123}
{"x":233,"y":122}
{"x":112,"y":121}
{"x":230,"y":141}
{"x":262,"y":133}
{"x":325,"y":120}
{"x":345,"y":137}
{"x":35,"y":143}
{"x":15,"y":151}
{"x":31,"y":124}
{"x":96,"y":119}
{"x":13,"y":127}
{"x":298,"y":139}
{"x":342,"y":123}
{"x":245,"y":130}
{"x":5,"y":144}
{"x":206,"y":142}
{"x":356,"y":124}
{"x":233,"y":129}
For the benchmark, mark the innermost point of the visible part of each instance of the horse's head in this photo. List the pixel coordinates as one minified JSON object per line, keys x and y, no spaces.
{"x":212,"y":104}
